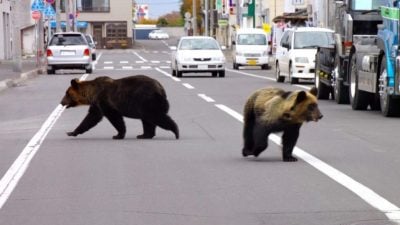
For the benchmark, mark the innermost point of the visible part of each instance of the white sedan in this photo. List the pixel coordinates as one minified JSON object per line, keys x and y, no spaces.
{"x":198,"y":54}
{"x":158,"y":34}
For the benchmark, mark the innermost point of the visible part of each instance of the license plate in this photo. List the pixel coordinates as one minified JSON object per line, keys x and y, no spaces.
{"x":67,"y":52}
{"x":252,"y":62}
{"x":203,"y":67}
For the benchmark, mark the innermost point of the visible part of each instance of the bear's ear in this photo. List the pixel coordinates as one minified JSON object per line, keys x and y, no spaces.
{"x":301,"y":96}
{"x":314,"y":91}
{"x":75,"y":83}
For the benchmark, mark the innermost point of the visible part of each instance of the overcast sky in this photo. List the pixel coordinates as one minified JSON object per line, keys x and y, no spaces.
{"x":160,"y":7}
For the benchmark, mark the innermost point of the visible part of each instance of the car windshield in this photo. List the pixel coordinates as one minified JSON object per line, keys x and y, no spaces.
{"x":251,"y":39}
{"x":198,"y":44}
{"x":67,"y":40}
{"x":367,"y":4}
{"x":313,"y":39}
{"x":89,"y":40}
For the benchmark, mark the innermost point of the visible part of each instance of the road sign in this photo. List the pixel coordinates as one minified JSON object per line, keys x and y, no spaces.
{"x":49,"y":11}
{"x":36,"y":15}
{"x":37,"y":5}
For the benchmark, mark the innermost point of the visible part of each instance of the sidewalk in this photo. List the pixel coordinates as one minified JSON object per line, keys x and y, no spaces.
{"x":9,"y":78}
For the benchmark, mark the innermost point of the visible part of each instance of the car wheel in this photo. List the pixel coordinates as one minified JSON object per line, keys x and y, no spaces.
{"x":265,"y":67}
{"x":179,"y":73}
{"x":51,"y":71}
{"x":389,"y":105}
{"x":222,"y":73}
{"x":291,"y":79}
{"x":279,"y":78}
{"x":89,"y":70}
{"x":235,"y":66}
{"x":173,"y":73}
{"x":359,"y":99}
{"x":214,"y":73}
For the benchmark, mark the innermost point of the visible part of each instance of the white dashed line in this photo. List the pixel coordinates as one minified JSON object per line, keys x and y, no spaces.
{"x":127,"y":67}
{"x":188,"y":86}
{"x":206,"y":98}
{"x":108,"y":62}
{"x":123,"y":62}
{"x":108,"y":67}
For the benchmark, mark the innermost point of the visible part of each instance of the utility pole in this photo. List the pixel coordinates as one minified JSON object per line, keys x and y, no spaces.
{"x":206,"y":18}
{"x":194,"y":22}
{"x":58,"y":16}
{"x":16,"y":37}
{"x":67,"y":12}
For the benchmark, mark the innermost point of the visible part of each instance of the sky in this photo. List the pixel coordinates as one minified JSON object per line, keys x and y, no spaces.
{"x":160,"y":7}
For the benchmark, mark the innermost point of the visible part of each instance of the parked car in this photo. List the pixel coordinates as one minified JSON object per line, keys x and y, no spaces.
{"x":295,"y":54}
{"x":68,"y":50}
{"x":198,"y":54}
{"x":250,"y":48}
{"x":92,"y":45}
{"x":158,"y":34}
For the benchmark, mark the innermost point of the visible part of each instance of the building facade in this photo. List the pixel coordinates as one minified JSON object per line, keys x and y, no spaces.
{"x":109,"y":21}
{"x":5,"y":28}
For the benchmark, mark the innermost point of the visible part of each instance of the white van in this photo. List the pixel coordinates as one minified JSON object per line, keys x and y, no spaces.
{"x":250,"y":48}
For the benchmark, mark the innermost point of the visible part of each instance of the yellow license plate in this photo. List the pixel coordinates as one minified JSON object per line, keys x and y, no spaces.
{"x":252,"y":62}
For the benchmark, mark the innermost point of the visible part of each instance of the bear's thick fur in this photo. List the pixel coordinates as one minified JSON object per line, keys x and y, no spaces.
{"x":138,"y":97}
{"x":271,"y":110}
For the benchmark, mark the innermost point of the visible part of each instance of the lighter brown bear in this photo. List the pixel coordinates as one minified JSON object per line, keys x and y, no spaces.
{"x":272,"y":110}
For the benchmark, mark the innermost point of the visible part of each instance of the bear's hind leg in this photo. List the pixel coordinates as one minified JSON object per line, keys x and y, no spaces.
{"x":260,"y":135}
{"x":166,"y":122}
{"x":149,"y":130}
{"x":289,"y":140}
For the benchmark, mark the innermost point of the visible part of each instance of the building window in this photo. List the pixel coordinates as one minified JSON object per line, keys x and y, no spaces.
{"x":116,"y":30}
{"x":89,"y":5}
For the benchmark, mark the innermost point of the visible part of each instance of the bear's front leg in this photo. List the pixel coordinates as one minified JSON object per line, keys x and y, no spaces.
{"x":93,"y":117}
{"x":289,"y":140}
{"x":117,"y":121}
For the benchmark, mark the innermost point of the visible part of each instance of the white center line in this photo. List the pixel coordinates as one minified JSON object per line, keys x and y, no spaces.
{"x":14,"y":174}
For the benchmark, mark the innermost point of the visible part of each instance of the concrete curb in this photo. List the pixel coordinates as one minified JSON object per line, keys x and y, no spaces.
{"x":9,"y":83}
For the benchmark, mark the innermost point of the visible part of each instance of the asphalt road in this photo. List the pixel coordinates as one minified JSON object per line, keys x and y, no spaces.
{"x":348,"y":172}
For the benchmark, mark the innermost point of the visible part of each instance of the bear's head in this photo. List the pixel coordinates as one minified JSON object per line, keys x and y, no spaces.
{"x":302,"y":107}
{"x":75,"y":95}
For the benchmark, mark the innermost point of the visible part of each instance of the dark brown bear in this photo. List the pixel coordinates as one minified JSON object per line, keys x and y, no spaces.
{"x":271,"y":110}
{"x":138,"y":97}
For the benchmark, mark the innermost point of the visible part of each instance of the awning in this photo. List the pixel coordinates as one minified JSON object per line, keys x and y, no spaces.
{"x":79,"y":24}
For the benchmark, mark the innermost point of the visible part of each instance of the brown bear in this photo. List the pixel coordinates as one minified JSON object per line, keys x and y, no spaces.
{"x":271,"y":110}
{"x":138,"y":97}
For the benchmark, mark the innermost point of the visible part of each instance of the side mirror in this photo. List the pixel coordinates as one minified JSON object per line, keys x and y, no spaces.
{"x":173,"y":48}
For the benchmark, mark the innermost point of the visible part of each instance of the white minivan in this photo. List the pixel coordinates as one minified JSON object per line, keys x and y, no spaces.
{"x":250,"y":48}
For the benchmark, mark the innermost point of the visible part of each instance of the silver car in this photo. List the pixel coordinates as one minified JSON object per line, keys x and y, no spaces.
{"x":68,"y":50}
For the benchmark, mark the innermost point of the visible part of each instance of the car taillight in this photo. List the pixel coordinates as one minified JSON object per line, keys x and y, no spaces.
{"x":86,"y":52}
{"x":49,"y":53}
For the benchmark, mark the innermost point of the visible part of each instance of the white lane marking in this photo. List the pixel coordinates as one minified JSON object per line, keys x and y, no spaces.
{"x":145,"y":67}
{"x":263,"y":77}
{"x":165,"y":67}
{"x":123,"y":62}
{"x":14,"y":174}
{"x":188,"y":86}
{"x":139,"y":61}
{"x":96,"y":61}
{"x":389,"y":209}
{"x":108,"y":67}
{"x":127,"y":67}
{"x":108,"y":62}
{"x":140,"y":57}
{"x":169,"y":62}
{"x":206,"y":98}
{"x":155,"y":61}
{"x":168,"y":75}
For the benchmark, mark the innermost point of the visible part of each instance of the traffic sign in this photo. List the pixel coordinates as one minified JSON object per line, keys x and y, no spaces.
{"x":37,"y":5}
{"x":49,"y":11}
{"x":36,"y":15}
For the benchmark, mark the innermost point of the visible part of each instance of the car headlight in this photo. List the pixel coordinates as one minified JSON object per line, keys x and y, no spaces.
{"x":301,"y":59}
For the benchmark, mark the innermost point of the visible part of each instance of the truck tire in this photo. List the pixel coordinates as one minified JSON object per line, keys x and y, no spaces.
{"x":323,"y":89}
{"x":389,"y":105}
{"x":359,"y":100}
{"x":340,"y":91}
